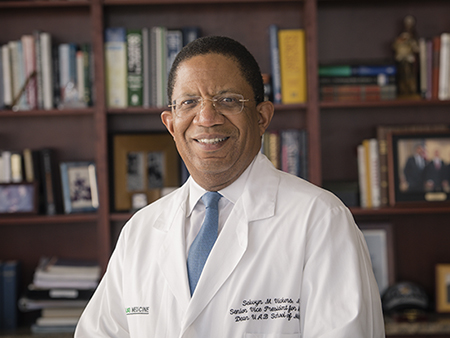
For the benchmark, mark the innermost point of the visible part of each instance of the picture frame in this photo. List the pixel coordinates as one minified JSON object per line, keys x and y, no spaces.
{"x":79,"y":187}
{"x":380,"y":242}
{"x":418,"y":167}
{"x":443,"y":288}
{"x":18,"y":198}
{"x":144,"y":163}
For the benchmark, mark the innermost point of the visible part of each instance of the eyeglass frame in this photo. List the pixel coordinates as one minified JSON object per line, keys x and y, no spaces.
{"x":213,"y":100}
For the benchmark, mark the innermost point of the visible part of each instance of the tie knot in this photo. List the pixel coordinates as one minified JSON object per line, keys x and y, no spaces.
{"x":211,"y":199}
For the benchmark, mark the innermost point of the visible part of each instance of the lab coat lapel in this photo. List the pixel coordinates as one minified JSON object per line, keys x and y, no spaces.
{"x":172,"y":255}
{"x":257,"y":202}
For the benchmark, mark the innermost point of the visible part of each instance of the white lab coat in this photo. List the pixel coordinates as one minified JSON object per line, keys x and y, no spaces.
{"x":289,"y":262}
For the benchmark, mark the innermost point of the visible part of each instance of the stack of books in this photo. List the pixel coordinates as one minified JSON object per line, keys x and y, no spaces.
{"x":61,"y":289}
{"x":357,"y":82}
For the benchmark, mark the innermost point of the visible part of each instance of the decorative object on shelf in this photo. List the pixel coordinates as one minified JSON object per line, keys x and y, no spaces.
{"x":443,"y":287}
{"x":406,"y":47}
{"x":143,"y":163}
{"x":79,"y":187}
{"x":419,"y":167}
{"x":380,"y":242}
{"x":18,"y":198}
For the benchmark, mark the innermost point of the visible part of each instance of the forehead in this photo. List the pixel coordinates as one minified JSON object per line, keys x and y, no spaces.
{"x":209,"y":73}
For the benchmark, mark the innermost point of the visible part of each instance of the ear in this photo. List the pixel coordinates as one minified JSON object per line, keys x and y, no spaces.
{"x":265,"y":113}
{"x":167,"y":120}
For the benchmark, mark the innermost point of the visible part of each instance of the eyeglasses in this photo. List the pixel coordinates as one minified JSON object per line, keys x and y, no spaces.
{"x":226,"y":104}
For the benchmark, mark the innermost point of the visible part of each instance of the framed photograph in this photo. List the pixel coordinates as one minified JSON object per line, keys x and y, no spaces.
{"x":380,"y":243}
{"x":18,"y":198}
{"x":419,"y":167}
{"x":443,"y":288}
{"x":79,"y":187}
{"x":144,"y":163}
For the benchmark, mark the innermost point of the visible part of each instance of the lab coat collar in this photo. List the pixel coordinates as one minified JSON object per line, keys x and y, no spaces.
{"x":258,"y":201}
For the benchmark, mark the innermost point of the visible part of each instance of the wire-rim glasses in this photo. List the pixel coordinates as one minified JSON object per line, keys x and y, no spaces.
{"x":226,"y":104}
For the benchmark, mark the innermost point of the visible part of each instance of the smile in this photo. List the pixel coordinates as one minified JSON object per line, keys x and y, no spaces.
{"x":212,"y":140}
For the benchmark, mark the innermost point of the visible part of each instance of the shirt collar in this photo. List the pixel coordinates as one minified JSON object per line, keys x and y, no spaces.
{"x":231,"y":192}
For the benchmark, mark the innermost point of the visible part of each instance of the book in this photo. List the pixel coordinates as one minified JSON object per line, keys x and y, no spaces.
{"x":357,"y":70}
{"x":16,"y":167}
{"x":357,"y":92}
{"x":116,"y":67}
{"x":67,"y":73}
{"x":292,"y":156}
{"x":2,"y":95}
{"x":158,"y":66}
{"x":275,"y":63}
{"x":36,"y":293}
{"x":444,"y":67}
{"x":174,"y":43}
{"x":134,"y":67}
{"x":52,"y":197}
{"x":47,"y":70}
{"x":146,"y":75}
{"x":29,"y":55}
{"x":292,"y":49}
{"x":271,"y":147}
{"x":362,"y":172}
{"x":435,"y":67}
{"x":10,"y":271}
{"x":374,"y":162}
{"x":5,"y":170}
{"x":379,"y":79}
{"x":18,"y":76}
{"x":190,"y":33}
{"x":38,"y":62}
{"x":7,"y":77}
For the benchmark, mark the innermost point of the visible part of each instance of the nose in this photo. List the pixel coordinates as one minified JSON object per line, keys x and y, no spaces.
{"x":208,"y":116}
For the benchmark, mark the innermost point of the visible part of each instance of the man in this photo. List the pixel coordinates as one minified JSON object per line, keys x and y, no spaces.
{"x":288,"y":261}
{"x":414,"y":170}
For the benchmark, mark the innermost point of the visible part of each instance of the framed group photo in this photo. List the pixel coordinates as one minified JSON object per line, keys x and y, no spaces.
{"x":379,"y":239}
{"x":79,"y":186}
{"x":419,"y":167}
{"x":144,"y":164}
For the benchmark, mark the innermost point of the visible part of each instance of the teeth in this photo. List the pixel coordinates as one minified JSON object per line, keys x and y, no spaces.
{"x":211,"y":140}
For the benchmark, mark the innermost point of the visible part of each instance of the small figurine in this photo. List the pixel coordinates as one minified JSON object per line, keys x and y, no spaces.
{"x":406,"y":49}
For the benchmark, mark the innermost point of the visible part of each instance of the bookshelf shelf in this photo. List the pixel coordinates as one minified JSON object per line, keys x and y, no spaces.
{"x":43,"y":219}
{"x":336,"y":31}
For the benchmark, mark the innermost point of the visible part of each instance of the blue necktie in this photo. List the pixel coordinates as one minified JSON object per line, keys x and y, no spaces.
{"x":203,"y":243}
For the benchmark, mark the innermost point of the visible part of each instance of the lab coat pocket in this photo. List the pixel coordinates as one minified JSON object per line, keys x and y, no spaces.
{"x":272,"y":335}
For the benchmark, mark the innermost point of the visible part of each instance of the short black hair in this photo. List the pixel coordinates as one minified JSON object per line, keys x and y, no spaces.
{"x":223,"y":46}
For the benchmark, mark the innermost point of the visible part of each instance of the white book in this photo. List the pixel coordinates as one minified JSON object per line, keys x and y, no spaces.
{"x":444,"y":67}
{"x":7,"y":79}
{"x":374,"y":158}
{"x":361,"y":156}
{"x":6,"y":167}
{"x":47,"y":70}
{"x":116,"y":67}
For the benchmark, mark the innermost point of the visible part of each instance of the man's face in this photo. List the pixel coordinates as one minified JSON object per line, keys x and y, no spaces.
{"x":216,"y":148}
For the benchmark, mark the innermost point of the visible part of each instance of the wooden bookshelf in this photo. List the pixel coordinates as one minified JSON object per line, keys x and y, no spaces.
{"x":337,"y":30}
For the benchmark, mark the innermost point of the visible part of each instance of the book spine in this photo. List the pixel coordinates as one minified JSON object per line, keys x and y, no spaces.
{"x":174,"y":43}
{"x":16,"y":167}
{"x":374,"y":172}
{"x":6,"y":167}
{"x":292,"y":65}
{"x":435,"y":66}
{"x":47,"y":70}
{"x":29,"y":52}
{"x":380,"y":79}
{"x":7,"y":79}
{"x":290,"y":151}
{"x":275,"y":63}
{"x":444,"y":67}
{"x":146,"y":67}
{"x":190,"y":33}
{"x":87,"y":73}
{"x":368,"y":175}
{"x":116,"y":67}
{"x":50,"y":179}
{"x":134,"y":68}
{"x":423,"y":67}
{"x":39,"y":79}
{"x":357,"y":70}
{"x":2,"y":96}
{"x":10,"y":293}
{"x":362,"y":172}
